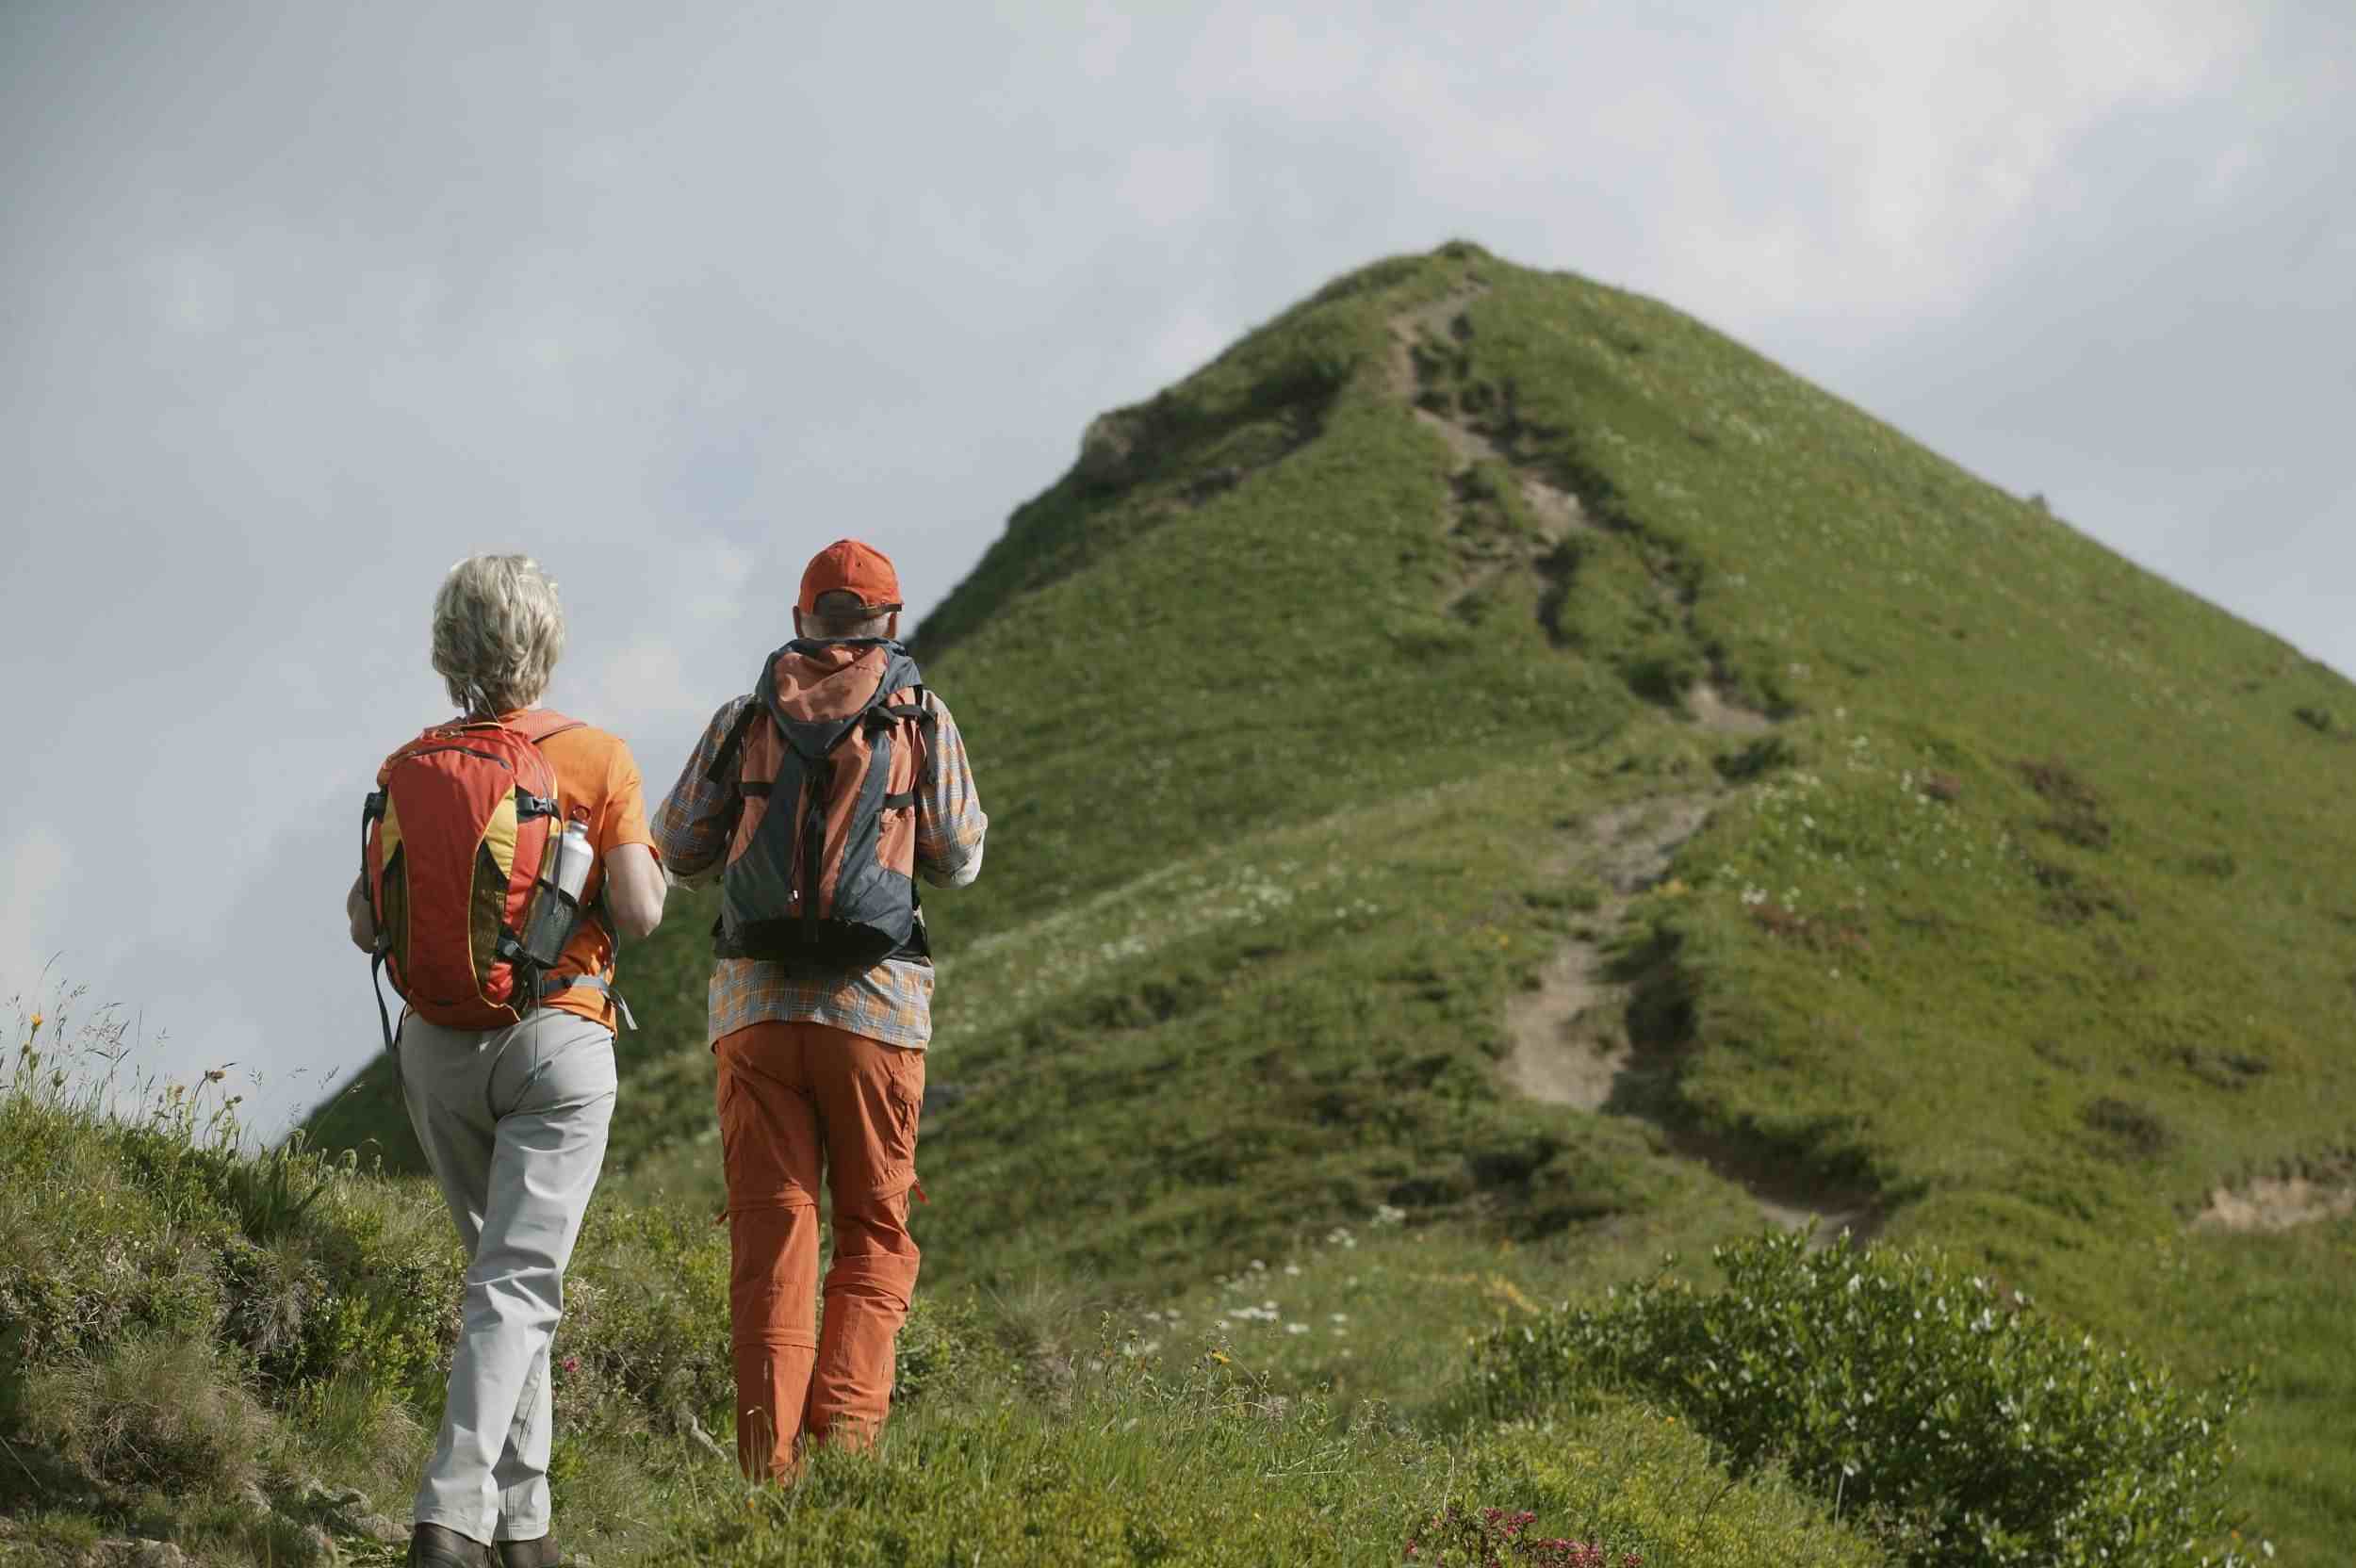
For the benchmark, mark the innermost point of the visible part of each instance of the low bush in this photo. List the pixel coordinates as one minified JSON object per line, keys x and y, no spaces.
{"x":160,"y":1412}
{"x":1492,"y":1538}
{"x":1961,"y":1428}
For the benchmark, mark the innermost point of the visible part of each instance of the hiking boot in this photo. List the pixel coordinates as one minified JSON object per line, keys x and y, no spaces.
{"x":540,"y":1552}
{"x":439,"y":1547}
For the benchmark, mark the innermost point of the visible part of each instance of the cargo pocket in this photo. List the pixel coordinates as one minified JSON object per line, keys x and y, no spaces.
{"x":904,"y":1094}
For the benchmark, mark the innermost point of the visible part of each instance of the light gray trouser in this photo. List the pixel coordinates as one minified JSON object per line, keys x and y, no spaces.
{"x":513,"y":1123}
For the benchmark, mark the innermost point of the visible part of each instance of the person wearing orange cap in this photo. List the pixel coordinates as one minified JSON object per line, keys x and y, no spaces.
{"x":816,"y":801}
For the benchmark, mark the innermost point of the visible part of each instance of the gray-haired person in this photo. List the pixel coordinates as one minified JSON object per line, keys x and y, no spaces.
{"x":512,"y":1115}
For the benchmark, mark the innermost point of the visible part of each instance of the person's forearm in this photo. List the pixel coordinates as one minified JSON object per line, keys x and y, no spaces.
{"x":634,"y":890}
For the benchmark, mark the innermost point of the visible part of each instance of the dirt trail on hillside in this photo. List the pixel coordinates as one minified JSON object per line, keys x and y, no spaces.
{"x":1556,"y":510}
{"x":2274,"y":1203}
{"x":1570,"y":1044}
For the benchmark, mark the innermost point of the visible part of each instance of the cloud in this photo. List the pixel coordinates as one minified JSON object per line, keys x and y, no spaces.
{"x":1940,"y":129}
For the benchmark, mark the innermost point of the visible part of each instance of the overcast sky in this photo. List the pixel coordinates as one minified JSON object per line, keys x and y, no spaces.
{"x":303,"y":302}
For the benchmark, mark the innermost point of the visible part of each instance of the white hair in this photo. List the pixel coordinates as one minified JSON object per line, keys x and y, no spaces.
{"x":840,"y":612}
{"x":498,"y":628}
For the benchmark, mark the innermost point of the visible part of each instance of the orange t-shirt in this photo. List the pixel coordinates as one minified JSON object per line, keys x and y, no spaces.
{"x":594,"y":770}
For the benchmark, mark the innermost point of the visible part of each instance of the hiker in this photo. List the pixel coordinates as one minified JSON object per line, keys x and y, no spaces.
{"x":507,"y":853}
{"x":821,"y":998}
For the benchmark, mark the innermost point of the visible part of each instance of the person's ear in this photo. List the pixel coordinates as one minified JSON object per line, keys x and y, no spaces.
{"x":891,"y":626}
{"x":799,"y":631}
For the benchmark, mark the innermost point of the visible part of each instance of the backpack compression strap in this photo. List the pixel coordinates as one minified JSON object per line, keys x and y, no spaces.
{"x":371,"y":810}
{"x":536,"y":725}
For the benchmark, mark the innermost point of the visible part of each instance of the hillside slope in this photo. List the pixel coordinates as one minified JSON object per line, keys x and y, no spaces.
{"x":1490,"y":751}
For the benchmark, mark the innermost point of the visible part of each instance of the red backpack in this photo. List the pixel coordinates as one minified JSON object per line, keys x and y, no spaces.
{"x":458,"y":850}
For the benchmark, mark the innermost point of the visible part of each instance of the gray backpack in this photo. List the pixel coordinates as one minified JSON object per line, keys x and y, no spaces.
{"x":823,"y":760}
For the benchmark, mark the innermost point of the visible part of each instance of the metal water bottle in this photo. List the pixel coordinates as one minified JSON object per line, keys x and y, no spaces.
{"x":572,"y":855}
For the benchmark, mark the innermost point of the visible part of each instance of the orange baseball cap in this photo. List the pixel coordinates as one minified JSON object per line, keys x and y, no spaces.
{"x":851,"y":567}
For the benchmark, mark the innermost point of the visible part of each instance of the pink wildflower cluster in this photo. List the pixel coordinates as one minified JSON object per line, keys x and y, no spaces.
{"x":1492,"y":1538}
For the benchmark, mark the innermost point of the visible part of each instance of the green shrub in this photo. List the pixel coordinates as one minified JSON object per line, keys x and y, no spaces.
{"x":162,"y":1412}
{"x":1202,"y":1464}
{"x":1964,"y":1428}
{"x":937,"y":1346}
{"x":645,"y":1328}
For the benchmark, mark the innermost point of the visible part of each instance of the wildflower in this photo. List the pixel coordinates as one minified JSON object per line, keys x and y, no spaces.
{"x":215,"y":1074}
{"x":36,"y":1023}
{"x":572,"y":1363}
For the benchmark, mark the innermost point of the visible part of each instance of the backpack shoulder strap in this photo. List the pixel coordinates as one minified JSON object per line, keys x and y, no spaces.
{"x":724,"y":760}
{"x":900,"y":675}
{"x":537,"y":725}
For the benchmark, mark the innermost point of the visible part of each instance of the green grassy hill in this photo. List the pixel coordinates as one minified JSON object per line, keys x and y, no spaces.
{"x":1491,"y":780}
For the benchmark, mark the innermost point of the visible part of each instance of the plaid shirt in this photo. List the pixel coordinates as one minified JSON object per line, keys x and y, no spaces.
{"x":893,"y":1002}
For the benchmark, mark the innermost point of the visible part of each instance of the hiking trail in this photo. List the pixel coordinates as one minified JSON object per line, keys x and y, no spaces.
{"x":1556,"y":510}
{"x":1570,"y":1043}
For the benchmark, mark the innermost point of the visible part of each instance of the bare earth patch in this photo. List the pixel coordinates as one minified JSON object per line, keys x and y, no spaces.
{"x":2275,"y":1204}
{"x":1569,"y":1047}
{"x":1713,"y":710}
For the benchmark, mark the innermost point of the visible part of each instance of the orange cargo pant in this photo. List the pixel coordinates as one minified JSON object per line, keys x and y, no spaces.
{"x":794,"y":1097}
